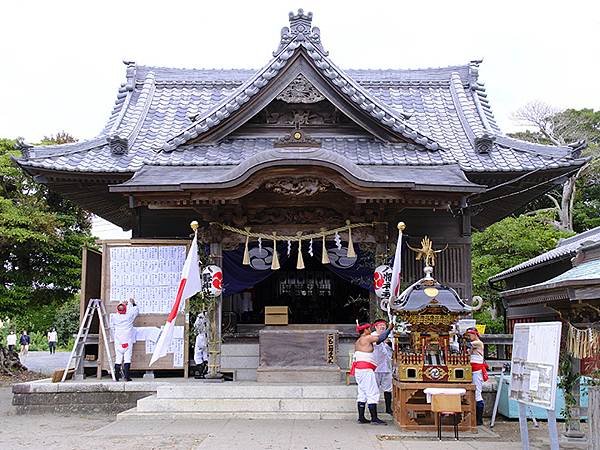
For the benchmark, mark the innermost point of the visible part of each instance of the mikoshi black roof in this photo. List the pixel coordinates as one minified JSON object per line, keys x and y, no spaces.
{"x":171,"y":118}
{"x":422,"y":295}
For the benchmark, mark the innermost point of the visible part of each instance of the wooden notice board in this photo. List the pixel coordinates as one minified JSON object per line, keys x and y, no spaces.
{"x":148,"y":270}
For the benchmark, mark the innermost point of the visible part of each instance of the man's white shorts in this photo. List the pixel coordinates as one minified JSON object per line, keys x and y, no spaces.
{"x":478,"y":382}
{"x":368,"y":391}
{"x":123,"y":355}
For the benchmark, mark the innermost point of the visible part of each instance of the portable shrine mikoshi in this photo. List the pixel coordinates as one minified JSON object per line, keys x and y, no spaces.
{"x":431,"y":351}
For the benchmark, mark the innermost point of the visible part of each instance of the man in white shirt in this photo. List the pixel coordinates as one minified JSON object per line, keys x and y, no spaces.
{"x":52,"y":340}
{"x":124,"y":335}
{"x":11,"y":341}
{"x":383,"y":358}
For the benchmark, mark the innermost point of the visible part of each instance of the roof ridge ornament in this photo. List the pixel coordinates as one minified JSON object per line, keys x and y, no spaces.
{"x":118,"y":145}
{"x":484,"y":143}
{"x":300,"y":29}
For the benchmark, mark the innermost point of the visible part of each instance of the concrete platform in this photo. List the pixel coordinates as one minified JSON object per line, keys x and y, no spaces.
{"x":247,"y":400}
{"x":86,"y":397}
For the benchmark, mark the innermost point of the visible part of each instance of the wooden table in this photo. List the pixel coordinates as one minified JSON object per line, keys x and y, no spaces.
{"x":413,"y":413}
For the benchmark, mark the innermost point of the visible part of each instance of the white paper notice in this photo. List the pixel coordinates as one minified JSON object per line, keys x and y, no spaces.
{"x":534,"y":380}
{"x":148,"y":274}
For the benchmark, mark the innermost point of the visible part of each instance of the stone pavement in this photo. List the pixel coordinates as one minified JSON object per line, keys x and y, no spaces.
{"x":44,"y":362}
{"x":103,"y":432}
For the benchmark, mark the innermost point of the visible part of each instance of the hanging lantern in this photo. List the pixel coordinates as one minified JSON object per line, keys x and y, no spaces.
{"x":212,"y":280}
{"x":382,"y":281}
{"x":351,"y":252}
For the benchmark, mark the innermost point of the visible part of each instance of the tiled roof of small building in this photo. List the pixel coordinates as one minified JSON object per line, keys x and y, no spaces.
{"x":566,"y":248}
{"x":441,"y":110}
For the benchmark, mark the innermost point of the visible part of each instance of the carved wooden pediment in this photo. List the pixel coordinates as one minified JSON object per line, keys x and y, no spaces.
{"x":282,"y":113}
{"x":297,"y":187}
{"x":300,"y":90}
{"x":294,"y":216}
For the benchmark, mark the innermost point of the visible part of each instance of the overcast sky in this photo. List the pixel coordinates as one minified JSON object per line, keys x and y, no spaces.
{"x":61,"y":61}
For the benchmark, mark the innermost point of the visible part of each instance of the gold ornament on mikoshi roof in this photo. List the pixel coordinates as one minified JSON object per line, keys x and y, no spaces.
{"x":426,"y":252}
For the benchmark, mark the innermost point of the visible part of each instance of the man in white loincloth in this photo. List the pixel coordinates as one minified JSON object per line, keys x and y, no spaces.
{"x":363,"y":369}
{"x":124,"y":335}
{"x":383,"y":358}
{"x":479,"y":370}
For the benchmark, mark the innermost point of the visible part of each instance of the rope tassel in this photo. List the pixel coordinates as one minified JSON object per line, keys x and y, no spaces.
{"x":246,"y":260}
{"x":275,"y":262}
{"x":351,"y":253}
{"x":300,"y":262}
{"x":324,"y":255}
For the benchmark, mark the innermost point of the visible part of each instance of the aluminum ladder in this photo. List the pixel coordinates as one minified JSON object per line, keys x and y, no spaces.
{"x":78,"y":353}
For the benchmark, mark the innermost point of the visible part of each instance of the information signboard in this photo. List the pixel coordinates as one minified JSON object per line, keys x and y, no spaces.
{"x":534,"y":372}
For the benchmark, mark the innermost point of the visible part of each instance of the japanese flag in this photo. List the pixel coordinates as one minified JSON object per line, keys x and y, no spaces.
{"x":189,"y":285}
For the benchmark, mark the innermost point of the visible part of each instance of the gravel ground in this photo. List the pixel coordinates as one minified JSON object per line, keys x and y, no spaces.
{"x":101,"y":432}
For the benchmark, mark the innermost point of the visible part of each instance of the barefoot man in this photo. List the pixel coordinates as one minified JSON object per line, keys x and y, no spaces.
{"x":363,"y":369}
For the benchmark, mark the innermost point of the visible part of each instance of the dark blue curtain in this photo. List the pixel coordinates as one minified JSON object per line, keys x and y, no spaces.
{"x":357,"y":271}
{"x":237,"y":277}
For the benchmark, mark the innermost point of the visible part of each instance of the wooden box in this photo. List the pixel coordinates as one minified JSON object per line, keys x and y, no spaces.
{"x":276,"y":315}
{"x":446,"y":403}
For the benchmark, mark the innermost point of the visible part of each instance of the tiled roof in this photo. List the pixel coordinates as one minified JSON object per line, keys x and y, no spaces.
{"x":442,"y":109}
{"x":422,"y":177}
{"x":584,"y":275}
{"x":96,"y":156}
{"x":566,"y":248}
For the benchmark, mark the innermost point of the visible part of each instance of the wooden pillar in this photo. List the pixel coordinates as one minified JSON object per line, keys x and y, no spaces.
{"x":214,"y":342}
{"x":594,"y":417}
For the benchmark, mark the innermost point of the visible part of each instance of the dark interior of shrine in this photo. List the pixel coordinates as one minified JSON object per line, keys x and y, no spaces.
{"x":313,"y":295}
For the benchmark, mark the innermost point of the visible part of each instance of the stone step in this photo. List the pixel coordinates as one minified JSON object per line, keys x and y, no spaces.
{"x":134,"y":414}
{"x":239,"y":362}
{"x":239,"y":350}
{"x":317,"y":375}
{"x":242,"y":390}
{"x":249,"y":405}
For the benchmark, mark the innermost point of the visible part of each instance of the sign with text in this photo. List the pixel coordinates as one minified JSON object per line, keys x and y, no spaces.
{"x":534,"y":372}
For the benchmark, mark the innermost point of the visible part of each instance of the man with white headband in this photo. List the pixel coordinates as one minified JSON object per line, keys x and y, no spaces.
{"x":363,"y":369}
{"x":479,"y":369}
{"x":124,"y":334}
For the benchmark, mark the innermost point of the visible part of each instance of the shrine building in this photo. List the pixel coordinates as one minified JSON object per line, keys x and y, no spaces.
{"x":299,"y":146}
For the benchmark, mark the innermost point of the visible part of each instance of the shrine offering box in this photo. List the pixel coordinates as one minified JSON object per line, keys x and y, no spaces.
{"x":276,"y":315}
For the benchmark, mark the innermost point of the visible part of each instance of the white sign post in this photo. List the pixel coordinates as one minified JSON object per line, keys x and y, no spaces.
{"x":534,"y":373}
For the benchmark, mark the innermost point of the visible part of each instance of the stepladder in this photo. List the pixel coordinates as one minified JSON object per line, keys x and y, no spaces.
{"x":77,"y":357}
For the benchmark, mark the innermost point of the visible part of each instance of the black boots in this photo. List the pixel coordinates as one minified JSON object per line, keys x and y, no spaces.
{"x":361,"y":412}
{"x":117,"y":372}
{"x":388,"y":403}
{"x":374,"y":419}
{"x":479,"y":412}
{"x":126,"y":367}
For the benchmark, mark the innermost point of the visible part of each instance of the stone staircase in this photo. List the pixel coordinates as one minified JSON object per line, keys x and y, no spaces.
{"x":248,"y":400}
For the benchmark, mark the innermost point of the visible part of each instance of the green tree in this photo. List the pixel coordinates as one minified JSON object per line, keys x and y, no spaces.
{"x":41,"y":236}
{"x":577,"y":203}
{"x":505,"y":244}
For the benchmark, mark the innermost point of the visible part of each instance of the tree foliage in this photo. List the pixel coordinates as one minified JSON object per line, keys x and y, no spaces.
{"x":577,"y":204}
{"x":41,"y":237}
{"x":505,"y":244}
